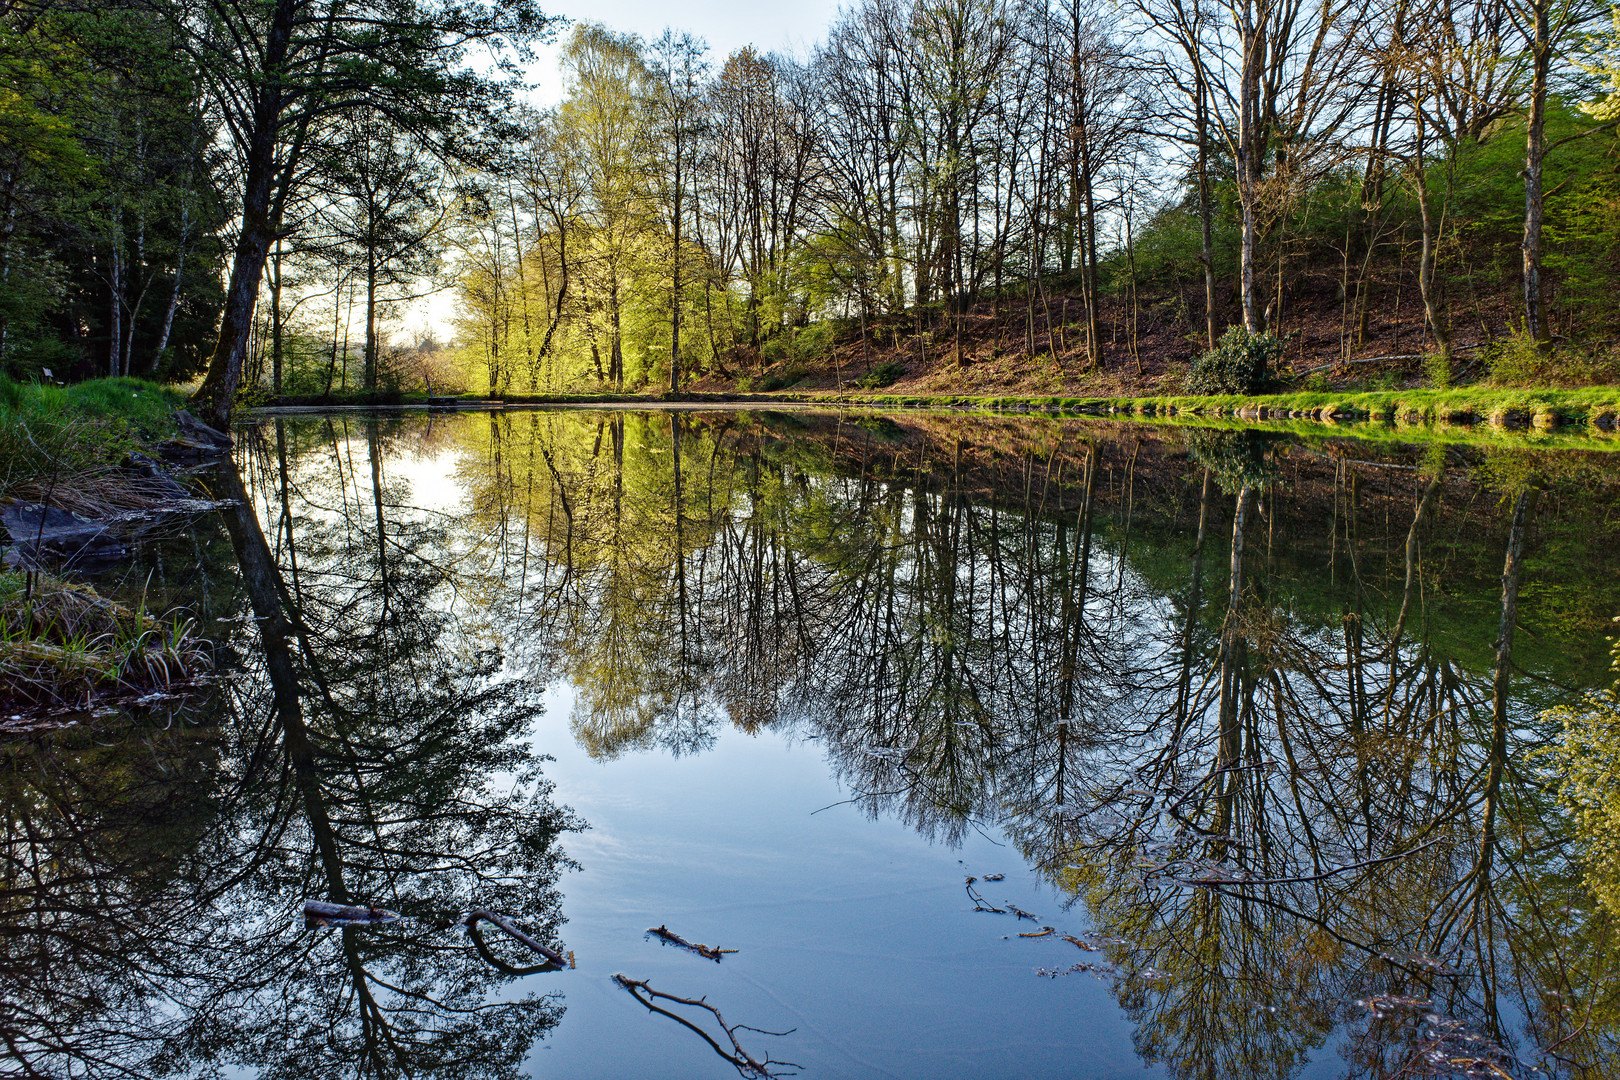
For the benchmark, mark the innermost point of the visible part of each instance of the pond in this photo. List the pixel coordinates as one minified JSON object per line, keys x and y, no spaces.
{"x":964,"y":746}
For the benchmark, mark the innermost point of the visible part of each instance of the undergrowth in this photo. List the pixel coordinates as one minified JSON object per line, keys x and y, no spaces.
{"x":66,"y":646}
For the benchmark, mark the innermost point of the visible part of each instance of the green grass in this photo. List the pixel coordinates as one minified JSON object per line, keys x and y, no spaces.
{"x":66,"y":644}
{"x":1543,"y":418}
{"x":47,"y":430}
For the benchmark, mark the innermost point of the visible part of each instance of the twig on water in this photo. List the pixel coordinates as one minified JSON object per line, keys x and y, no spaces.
{"x":705,"y":951}
{"x":745,"y":1063}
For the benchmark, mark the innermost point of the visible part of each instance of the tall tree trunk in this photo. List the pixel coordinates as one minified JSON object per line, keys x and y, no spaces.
{"x":1248,"y":164}
{"x":275,"y":320}
{"x":115,"y":288}
{"x":1535,"y":321}
{"x":1428,"y":252}
{"x":216,"y":396}
{"x":675,"y":282}
{"x":371,"y":317}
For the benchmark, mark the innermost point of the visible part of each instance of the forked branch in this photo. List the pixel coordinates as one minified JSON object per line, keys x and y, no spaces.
{"x":745,"y":1063}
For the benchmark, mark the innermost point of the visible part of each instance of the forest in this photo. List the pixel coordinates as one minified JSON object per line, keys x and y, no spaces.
{"x":1028,"y":192}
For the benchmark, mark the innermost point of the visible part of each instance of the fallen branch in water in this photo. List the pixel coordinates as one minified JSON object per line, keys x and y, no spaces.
{"x":979,"y":902}
{"x":675,"y":939}
{"x":319,"y":914}
{"x":552,"y":956}
{"x":740,"y":1059}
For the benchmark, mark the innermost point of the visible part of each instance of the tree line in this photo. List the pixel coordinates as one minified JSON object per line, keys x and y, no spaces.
{"x":931,"y":159}
{"x":167,"y":160}
{"x":238,"y":189}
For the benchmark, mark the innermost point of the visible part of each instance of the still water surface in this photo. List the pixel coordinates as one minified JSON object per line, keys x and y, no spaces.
{"x":993,"y":747}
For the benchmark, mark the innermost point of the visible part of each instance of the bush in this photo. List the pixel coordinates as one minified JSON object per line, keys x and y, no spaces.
{"x":814,"y":343}
{"x":1437,"y":366}
{"x":1237,"y":364}
{"x":781,"y":380}
{"x":883,"y":375}
{"x":1519,"y":360}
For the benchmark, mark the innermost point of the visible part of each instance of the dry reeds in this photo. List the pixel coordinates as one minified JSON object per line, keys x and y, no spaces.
{"x":101,"y":493}
{"x":65,"y":646}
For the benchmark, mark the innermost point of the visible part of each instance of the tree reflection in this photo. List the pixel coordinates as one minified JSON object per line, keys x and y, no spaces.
{"x":1233,"y":693}
{"x":368,"y":751}
{"x":1269,"y":711}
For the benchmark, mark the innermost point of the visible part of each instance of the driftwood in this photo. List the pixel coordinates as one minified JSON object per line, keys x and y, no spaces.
{"x":745,"y":1064}
{"x":319,"y":913}
{"x":554,"y":959}
{"x":705,"y":951}
{"x":1374,"y":359}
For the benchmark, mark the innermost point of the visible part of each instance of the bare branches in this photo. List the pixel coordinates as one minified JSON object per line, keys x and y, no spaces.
{"x":744,"y":1062}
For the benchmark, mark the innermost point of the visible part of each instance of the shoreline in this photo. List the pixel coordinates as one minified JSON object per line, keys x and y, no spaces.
{"x":1544,"y":418}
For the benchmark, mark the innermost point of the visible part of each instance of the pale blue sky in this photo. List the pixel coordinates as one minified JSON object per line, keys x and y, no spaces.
{"x":790,"y":26}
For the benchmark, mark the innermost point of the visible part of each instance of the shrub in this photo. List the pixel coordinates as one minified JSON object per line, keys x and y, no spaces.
{"x":1519,"y":360}
{"x":883,"y":375}
{"x":781,"y":380}
{"x":813,"y":343}
{"x":1437,"y":366}
{"x":1237,"y":364}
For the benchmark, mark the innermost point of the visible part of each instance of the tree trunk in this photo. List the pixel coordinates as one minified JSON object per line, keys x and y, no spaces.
{"x":216,"y":396}
{"x":1248,"y":164}
{"x":1535,"y":322}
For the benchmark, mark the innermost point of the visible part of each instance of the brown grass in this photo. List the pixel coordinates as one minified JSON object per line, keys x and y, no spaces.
{"x":67,"y":647}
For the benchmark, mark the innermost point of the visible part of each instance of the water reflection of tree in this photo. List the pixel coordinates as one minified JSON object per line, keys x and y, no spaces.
{"x":1233,"y":695}
{"x":368,"y":752}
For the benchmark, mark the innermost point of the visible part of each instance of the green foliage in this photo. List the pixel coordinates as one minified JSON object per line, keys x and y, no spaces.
{"x":1437,"y":369}
{"x":105,"y":154}
{"x":1519,"y":360}
{"x":883,"y":375}
{"x":1237,"y":459}
{"x":814,"y":343}
{"x":1237,"y":364}
{"x":1586,"y":767}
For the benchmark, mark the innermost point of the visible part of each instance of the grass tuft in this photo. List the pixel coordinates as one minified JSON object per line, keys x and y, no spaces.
{"x":65,"y":646}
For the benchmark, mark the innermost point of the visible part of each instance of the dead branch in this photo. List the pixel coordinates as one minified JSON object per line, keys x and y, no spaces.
{"x":979,"y":902}
{"x":705,"y":951}
{"x":552,"y":956}
{"x":745,"y":1064}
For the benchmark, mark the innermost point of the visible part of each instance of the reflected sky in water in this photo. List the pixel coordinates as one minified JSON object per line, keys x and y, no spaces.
{"x":1233,"y":713}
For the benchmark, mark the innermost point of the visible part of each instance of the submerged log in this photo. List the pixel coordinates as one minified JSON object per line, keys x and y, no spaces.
{"x":320,"y":913}
{"x":551,"y":955}
{"x":664,"y":933}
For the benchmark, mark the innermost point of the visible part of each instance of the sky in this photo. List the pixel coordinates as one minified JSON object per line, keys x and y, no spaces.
{"x":789,"y":26}
{"x":784,"y":26}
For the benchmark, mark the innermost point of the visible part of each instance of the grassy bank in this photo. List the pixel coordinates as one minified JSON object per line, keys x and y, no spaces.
{"x":1472,"y":412}
{"x":75,"y":432}
{"x":62,"y":645}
